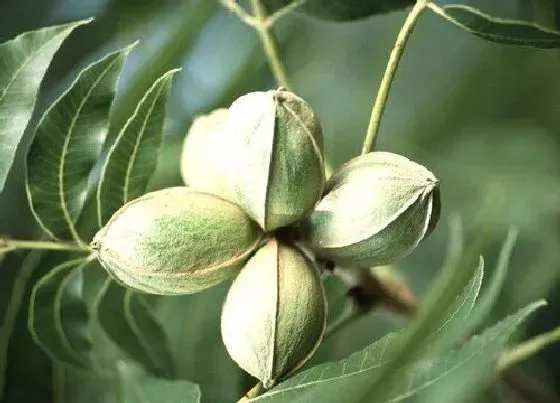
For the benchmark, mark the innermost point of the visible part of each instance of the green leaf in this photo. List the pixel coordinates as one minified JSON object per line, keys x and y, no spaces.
{"x":499,"y":30}
{"x":432,"y":313}
{"x":456,"y":243}
{"x":341,"y":10}
{"x":465,"y":301}
{"x":557,"y":14}
{"x":463,"y":306}
{"x":491,"y":294}
{"x":136,"y":386}
{"x":465,"y":372}
{"x":94,"y":281}
{"x":348,"y":379}
{"x":192,"y":323}
{"x":9,"y":328}
{"x":58,"y":316}
{"x":67,"y":145}
{"x":371,"y":361}
{"x":132,"y":158}
{"x":130,"y":324}
{"x":24,"y":62}
{"x":470,"y":322}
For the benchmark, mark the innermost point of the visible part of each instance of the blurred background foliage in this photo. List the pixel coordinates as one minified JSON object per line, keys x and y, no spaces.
{"x":484,"y":117}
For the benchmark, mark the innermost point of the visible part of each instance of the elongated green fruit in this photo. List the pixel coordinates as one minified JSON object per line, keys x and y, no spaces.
{"x":276,"y":167}
{"x":176,"y":241}
{"x":273,"y":318}
{"x":376,"y":210}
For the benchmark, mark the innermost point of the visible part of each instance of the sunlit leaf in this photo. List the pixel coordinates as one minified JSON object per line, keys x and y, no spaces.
{"x":349,"y":379}
{"x":68,"y":143}
{"x":132,"y":158}
{"x":500,"y":30}
{"x":24,"y":61}
{"x":130,"y":324}
{"x":136,"y":386}
{"x":59,"y":317}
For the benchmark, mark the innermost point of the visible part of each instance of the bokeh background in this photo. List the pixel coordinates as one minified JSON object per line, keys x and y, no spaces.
{"x":484,"y":117}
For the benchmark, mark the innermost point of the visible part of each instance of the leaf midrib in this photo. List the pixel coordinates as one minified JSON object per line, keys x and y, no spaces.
{"x":58,"y":311}
{"x":144,"y":342}
{"x":27,"y":60}
{"x":355,"y":373}
{"x":65,"y":146}
{"x":138,"y":141}
{"x":499,"y":21}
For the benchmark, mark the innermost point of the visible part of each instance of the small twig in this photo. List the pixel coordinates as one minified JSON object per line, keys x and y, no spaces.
{"x":284,"y":11}
{"x":270,"y":44}
{"x":371,"y":289}
{"x":389,"y":75}
{"x":240,"y":12}
{"x":438,"y":10}
{"x":269,"y":22}
{"x":263,"y":23}
{"x":255,"y":391}
{"x":526,"y":349}
{"x":8,"y":245}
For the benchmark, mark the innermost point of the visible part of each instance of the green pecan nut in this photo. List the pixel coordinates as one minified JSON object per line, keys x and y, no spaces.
{"x":375,"y":211}
{"x":176,"y":241}
{"x":276,"y":163}
{"x":273,"y":318}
